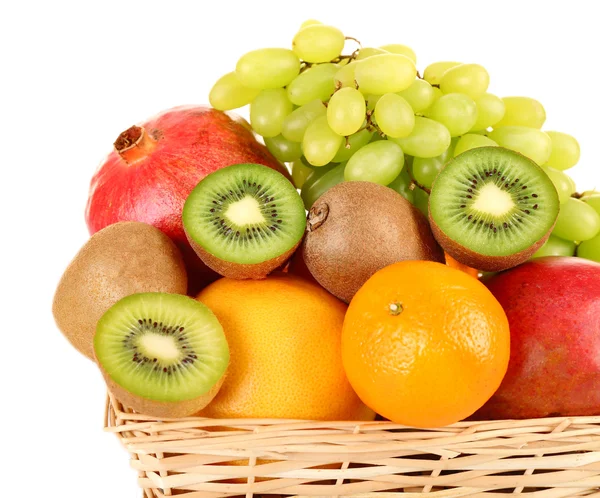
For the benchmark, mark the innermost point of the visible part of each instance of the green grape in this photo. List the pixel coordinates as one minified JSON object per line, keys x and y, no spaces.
{"x":295,"y":124}
{"x":472,"y":141}
{"x":346,"y":111}
{"x":268,"y":110}
{"x":563,"y":184}
{"x":437,"y":95}
{"x":366,"y":52}
{"x":425,"y":169}
{"x":428,"y":139}
{"x":320,"y":143}
{"x":522,"y":111}
{"x":377,"y":137}
{"x":372,"y":101}
{"x":283,"y":149}
{"x":434,"y":72}
{"x":530,"y":142}
{"x":300,"y":172}
{"x":345,"y":75}
{"x":228,"y":93}
{"x":355,"y":142}
{"x":316,"y":173}
{"x":469,"y":79}
{"x":378,"y":162}
{"x":565,"y":150}
{"x":267,"y":68}
{"x":577,"y":221}
{"x":402,"y":185}
{"x":592,"y":200}
{"x":397,"y":48}
{"x":421,"y":201}
{"x":490,"y":110}
{"x":572,"y":183}
{"x":394,"y":116}
{"x":309,"y":22}
{"x":314,"y":83}
{"x":318,"y":43}
{"x":589,"y":193}
{"x":420,"y":95}
{"x":455,"y":111}
{"x":321,"y":184}
{"x":555,"y":246}
{"x":590,"y":249}
{"x":385,"y":73}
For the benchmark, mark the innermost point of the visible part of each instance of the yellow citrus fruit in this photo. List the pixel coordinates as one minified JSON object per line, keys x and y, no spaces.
{"x":424,"y":344}
{"x":284,"y":336}
{"x":452,"y":263}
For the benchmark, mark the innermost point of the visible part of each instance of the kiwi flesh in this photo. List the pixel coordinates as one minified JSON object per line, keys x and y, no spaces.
{"x":163,"y":355}
{"x":244,"y":220}
{"x":356,"y":229}
{"x":121,"y":259}
{"x":491,"y":208}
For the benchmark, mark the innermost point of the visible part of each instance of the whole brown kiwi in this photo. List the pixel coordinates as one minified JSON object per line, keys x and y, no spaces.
{"x":358,"y":228}
{"x":121,"y":259}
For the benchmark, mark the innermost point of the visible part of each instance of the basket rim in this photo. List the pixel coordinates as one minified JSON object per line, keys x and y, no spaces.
{"x":116,"y":415}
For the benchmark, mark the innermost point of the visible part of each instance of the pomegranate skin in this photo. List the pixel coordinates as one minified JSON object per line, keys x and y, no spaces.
{"x":151,"y":183}
{"x":553,"y":309}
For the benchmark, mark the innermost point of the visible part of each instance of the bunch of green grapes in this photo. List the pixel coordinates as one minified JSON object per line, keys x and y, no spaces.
{"x":371,"y":116}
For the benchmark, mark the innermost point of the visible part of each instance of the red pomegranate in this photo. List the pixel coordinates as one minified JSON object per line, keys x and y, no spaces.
{"x":155,"y":165}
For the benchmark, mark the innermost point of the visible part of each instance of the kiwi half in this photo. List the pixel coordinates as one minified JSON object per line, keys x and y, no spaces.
{"x":244,"y":220}
{"x":491,"y":208}
{"x":164,"y":355}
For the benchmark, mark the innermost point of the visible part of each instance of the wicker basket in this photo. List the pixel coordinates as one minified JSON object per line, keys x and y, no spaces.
{"x":213,"y":458}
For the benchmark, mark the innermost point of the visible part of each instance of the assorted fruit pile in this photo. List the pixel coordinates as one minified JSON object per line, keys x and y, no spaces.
{"x":395,"y":244}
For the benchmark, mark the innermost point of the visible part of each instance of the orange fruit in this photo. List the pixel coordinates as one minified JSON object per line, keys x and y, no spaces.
{"x":425,"y":345}
{"x":284,"y":336}
{"x":452,"y":263}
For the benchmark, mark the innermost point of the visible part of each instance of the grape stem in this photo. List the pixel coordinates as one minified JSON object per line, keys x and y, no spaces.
{"x":354,"y":40}
{"x":415,"y":184}
{"x":307,"y":65}
{"x":371,"y":125}
{"x":350,"y":57}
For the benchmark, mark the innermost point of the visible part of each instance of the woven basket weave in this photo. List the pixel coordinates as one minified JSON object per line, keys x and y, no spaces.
{"x":214,"y":458}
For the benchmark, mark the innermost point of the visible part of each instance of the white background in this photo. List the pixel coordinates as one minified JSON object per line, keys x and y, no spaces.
{"x":74,"y":75}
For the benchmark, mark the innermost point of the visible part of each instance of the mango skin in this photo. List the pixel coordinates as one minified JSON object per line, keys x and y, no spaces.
{"x":553,"y":308}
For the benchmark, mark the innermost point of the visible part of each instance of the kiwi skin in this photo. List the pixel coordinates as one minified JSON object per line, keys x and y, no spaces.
{"x":121,"y":259}
{"x":480,"y":261}
{"x":161,"y":409}
{"x":241,"y":271}
{"x":358,"y":228}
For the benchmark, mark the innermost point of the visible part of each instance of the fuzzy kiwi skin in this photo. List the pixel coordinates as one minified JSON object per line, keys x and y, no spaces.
{"x":161,"y":409}
{"x":479,"y":261}
{"x":121,"y":259}
{"x":240,"y":271}
{"x":367,"y":227}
